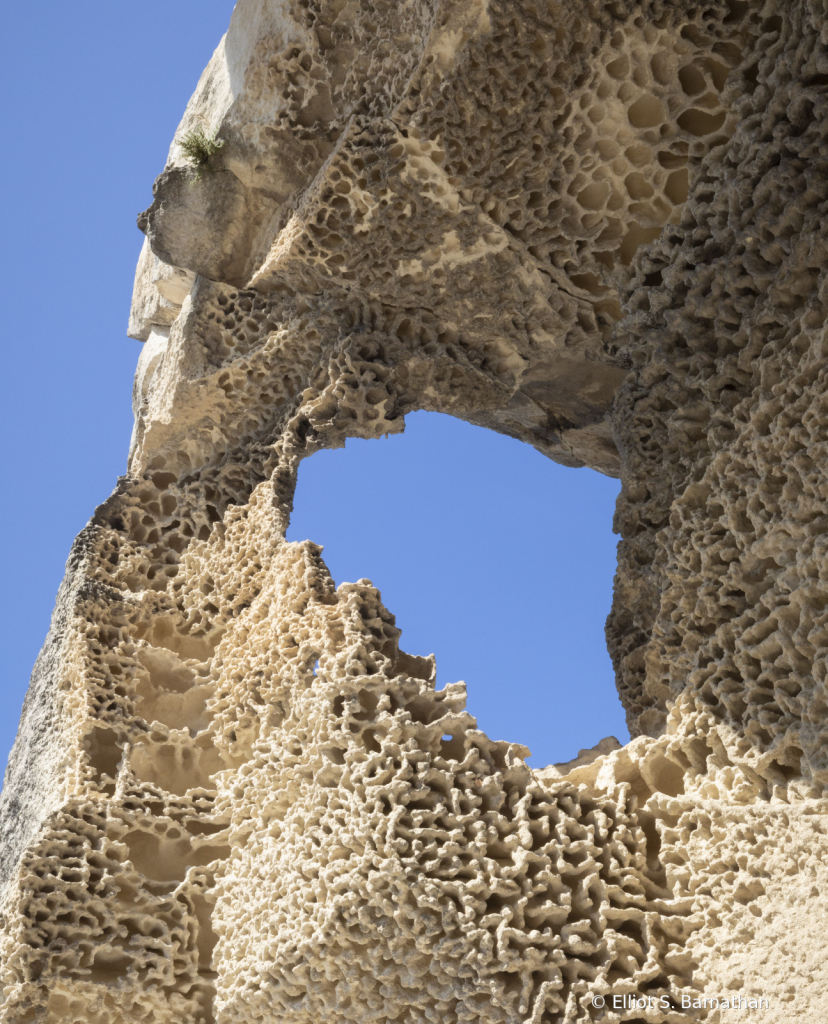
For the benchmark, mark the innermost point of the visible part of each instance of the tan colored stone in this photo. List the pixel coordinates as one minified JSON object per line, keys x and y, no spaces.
{"x":159,"y":293}
{"x":598,"y":228}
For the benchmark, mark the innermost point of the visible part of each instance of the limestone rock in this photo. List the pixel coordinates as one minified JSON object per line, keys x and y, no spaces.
{"x":595,"y":227}
{"x":158,"y":295}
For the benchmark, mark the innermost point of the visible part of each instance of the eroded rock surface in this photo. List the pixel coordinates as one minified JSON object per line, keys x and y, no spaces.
{"x":596,"y":227}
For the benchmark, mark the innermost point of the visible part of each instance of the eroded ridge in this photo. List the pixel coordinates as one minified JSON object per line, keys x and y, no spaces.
{"x":299,"y":791}
{"x":596,"y":228}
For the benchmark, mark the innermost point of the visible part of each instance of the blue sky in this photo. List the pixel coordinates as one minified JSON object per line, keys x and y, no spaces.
{"x":492,"y":557}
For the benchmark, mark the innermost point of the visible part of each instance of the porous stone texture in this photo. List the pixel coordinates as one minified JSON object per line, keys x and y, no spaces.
{"x":596,"y":227}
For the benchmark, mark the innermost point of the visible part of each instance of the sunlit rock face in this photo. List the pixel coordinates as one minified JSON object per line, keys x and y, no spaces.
{"x":598,"y":228}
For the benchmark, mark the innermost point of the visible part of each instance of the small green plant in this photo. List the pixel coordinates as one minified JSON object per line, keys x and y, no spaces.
{"x":198,"y":147}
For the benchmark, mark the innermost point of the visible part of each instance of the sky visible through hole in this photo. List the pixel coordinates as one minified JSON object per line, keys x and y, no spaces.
{"x":493,"y":558}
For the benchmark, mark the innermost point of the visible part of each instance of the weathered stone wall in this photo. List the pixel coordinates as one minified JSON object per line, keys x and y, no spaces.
{"x":596,"y":227}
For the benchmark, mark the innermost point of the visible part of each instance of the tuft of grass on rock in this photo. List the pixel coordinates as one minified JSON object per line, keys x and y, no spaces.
{"x":198,"y":147}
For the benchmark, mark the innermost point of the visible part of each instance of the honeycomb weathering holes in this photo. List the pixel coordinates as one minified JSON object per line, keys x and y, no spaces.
{"x":233,"y":798}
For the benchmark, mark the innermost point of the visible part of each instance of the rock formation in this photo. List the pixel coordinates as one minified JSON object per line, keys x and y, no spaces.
{"x":596,"y":226}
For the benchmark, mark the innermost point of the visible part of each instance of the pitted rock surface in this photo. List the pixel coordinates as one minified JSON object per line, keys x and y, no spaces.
{"x":597,"y":227}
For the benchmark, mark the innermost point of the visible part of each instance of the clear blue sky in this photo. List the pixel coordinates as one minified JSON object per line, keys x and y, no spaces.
{"x":492,"y":557}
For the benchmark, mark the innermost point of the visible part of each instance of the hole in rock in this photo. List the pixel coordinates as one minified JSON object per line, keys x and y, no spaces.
{"x":492,"y":557}
{"x":108,"y":966}
{"x":166,"y":859}
{"x":104,"y":751}
{"x":169,"y":692}
{"x":206,"y":939}
{"x":177,"y":766}
{"x":646,"y":112}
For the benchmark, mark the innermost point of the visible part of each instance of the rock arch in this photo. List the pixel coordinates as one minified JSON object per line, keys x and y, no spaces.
{"x":595,"y":227}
